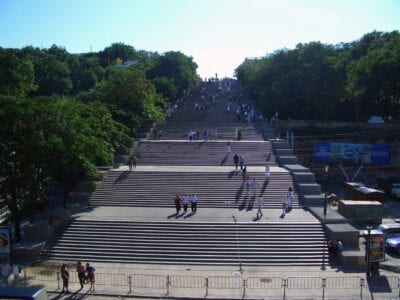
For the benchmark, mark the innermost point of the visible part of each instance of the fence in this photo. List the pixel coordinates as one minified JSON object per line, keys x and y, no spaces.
{"x":278,"y":285}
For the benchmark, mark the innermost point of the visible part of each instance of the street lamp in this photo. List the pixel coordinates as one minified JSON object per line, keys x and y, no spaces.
{"x":326,"y":169}
{"x":369,"y":228}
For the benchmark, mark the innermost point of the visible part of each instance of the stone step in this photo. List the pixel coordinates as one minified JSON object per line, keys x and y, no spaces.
{"x":280,"y":144}
{"x":283,"y":152}
{"x":188,"y":243}
{"x":303,"y":177}
{"x":287,"y":160}
{"x":296,"y":168}
{"x":202,"y":153}
{"x":309,"y":188}
{"x":146,"y":189}
{"x":313,"y":200}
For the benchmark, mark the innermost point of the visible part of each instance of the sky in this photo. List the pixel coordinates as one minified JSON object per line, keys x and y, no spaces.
{"x":218,"y":34}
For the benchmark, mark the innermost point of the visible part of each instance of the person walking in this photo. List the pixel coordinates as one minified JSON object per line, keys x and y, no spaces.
{"x":130,"y":162}
{"x":15,"y":271}
{"x":134,"y":161}
{"x":284,"y":205}
{"x":228,"y":146}
{"x":248,"y":183}
{"x":5,"y":272}
{"x":289,"y":198}
{"x":65,"y":278}
{"x":193,"y":201}
{"x":267,"y":171}
{"x":236,"y":161}
{"x":185,"y":202}
{"x":244,"y":173}
{"x":80,"y":269}
{"x":241,"y":161}
{"x":177,"y":204}
{"x":90,"y":275}
{"x":260,"y":204}
{"x":254,"y":185}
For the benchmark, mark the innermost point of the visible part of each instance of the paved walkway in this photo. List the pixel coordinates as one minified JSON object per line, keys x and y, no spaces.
{"x":207,"y":169}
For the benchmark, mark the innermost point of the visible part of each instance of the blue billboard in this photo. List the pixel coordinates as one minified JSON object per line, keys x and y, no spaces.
{"x":374,"y":154}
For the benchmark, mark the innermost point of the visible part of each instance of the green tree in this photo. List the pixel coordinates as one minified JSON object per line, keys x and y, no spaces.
{"x":52,"y":77}
{"x":22,"y":176}
{"x":130,"y":97}
{"x":16,"y":75}
{"x":116,"y":50}
{"x":178,"y":68}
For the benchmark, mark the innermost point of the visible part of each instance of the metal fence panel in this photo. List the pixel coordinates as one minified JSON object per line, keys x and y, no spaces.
{"x":304,"y":282}
{"x":194,"y":282}
{"x":343,"y":282}
{"x":149,"y":281}
{"x":264,"y":282}
{"x":43,"y":277}
{"x":111,"y":279}
{"x":225,"y":282}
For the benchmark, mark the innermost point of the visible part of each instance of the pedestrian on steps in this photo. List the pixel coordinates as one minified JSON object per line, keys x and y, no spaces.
{"x":254,"y":185}
{"x":260,"y":204}
{"x":228,"y":145}
{"x":241,"y":161}
{"x":289,"y":197}
{"x":267,"y":171}
{"x":177,"y":204}
{"x":185,"y":202}
{"x":284,"y":205}
{"x":236,"y":161}
{"x":244,"y":173}
{"x":193,"y":201}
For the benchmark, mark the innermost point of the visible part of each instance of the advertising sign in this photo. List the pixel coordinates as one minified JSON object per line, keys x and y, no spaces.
{"x":377,"y":248}
{"x":5,"y":241}
{"x":374,"y":154}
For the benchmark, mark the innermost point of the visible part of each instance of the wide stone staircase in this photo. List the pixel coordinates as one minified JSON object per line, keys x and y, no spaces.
{"x":173,"y":165}
{"x":202,"y":153}
{"x":258,"y":244}
{"x":218,"y":190}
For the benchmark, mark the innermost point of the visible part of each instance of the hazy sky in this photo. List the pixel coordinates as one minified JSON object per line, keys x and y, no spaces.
{"x":218,"y":34}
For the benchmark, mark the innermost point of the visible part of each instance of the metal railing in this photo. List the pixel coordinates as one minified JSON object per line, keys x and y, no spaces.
{"x":167,"y":282}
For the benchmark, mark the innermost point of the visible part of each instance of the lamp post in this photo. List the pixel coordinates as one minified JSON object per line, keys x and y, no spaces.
{"x":326,"y":169}
{"x":369,"y":228}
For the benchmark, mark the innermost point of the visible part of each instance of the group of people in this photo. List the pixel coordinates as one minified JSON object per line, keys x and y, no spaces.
{"x":132,"y":161}
{"x":85,"y":275}
{"x":335,"y":246}
{"x":184,"y":202}
{"x":7,"y":270}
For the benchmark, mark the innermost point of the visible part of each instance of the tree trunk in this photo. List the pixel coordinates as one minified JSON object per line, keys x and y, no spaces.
{"x":65,"y":196}
{"x":17,"y":226}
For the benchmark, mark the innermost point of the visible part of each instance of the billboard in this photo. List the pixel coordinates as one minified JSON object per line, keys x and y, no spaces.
{"x":376,"y":248}
{"x":374,"y":154}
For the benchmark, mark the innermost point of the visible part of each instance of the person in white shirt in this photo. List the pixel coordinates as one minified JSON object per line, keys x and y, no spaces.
{"x":193,"y":201}
{"x":289,"y":199}
{"x":185,"y":202}
{"x":260,"y":204}
{"x":267,"y":171}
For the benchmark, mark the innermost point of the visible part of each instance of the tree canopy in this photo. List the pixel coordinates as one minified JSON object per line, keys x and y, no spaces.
{"x":349,"y":81}
{"x":63,"y":114}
